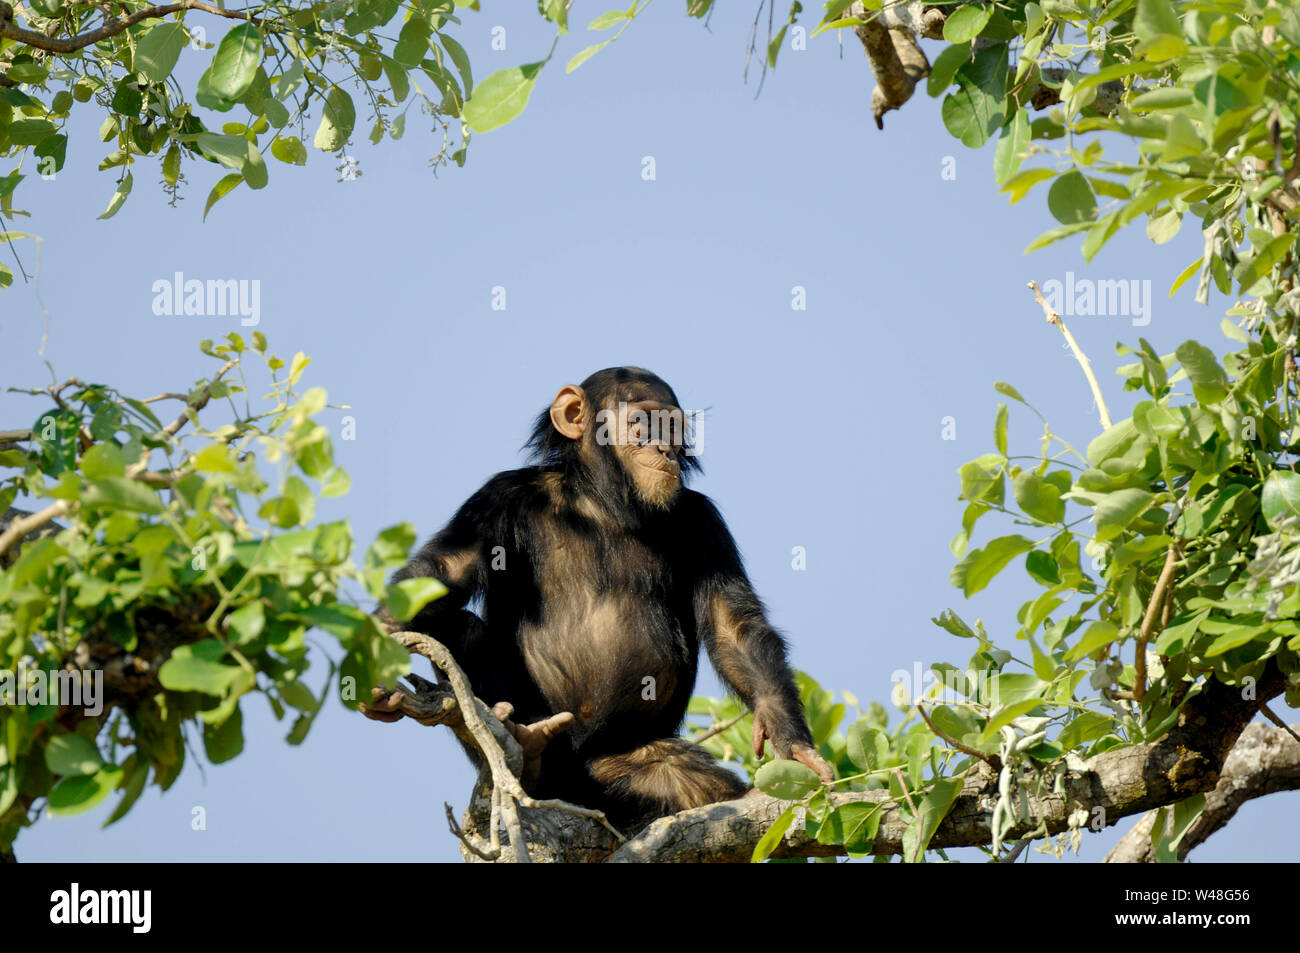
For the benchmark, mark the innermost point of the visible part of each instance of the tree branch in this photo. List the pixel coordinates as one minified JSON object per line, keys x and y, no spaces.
{"x":10,"y":30}
{"x":1159,"y":601}
{"x":1263,"y":761}
{"x":1054,"y":318}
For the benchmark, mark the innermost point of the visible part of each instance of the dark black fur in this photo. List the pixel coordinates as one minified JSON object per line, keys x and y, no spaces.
{"x":598,"y":592}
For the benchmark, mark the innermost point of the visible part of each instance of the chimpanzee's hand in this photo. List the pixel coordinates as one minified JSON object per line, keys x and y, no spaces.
{"x":805,"y":754}
{"x":532,"y":738}
{"x":384,"y":705}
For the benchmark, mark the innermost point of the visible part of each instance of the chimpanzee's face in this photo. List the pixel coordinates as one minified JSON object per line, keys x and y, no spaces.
{"x":649,"y":439}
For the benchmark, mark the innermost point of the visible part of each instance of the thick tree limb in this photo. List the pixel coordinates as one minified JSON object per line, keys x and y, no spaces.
{"x":1120,"y":782}
{"x":1115,"y":784}
{"x":1264,"y":760}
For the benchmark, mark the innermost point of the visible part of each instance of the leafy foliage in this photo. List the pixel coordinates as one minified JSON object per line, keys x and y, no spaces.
{"x":187,"y":577}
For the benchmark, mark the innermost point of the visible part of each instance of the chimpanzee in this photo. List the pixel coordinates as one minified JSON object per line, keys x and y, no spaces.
{"x":600,"y":575}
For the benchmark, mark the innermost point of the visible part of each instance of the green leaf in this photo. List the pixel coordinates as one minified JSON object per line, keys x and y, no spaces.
{"x":412,"y":42}
{"x":1181,"y":629}
{"x":336,"y":122}
{"x":1098,"y":634}
{"x":1000,"y":429}
{"x":1088,"y":726}
{"x":1182,"y":141}
{"x":867,"y":747}
{"x":52,"y":147}
{"x":1159,"y":30}
{"x":225,"y":740}
{"x":103,"y":460}
{"x":159,"y":49}
{"x":933,"y":809}
{"x":254,"y":167}
{"x":227,"y":149}
{"x":981,"y":479}
{"x":460,"y":58}
{"x":951,"y":622}
{"x":247,"y":622}
{"x":72,"y":755}
{"x":75,"y":795}
{"x":786,"y":780}
{"x":406,"y":598}
{"x":1114,"y":511}
{"x":28,"y":132}
{"x":220,"y":190}
{"x":119,"y":493}
{"x":289,"y":149}
{"x":234,"y":67}
{"x":1013,"y":688}
{"x":978,"y":108}
{"x":119,"y":197}
{"x":769,"y":841}
{"x":206,"y":97}
{"x":1019,"y":184}
{"x":194,"y":668}
{"x":1002,"y":387}
{"x":1209,"y":382}
{"x":500,"y":97}
{"x":583,"y":55}
{"x":944,"y":68}
{"x":1038,"y":497}
{"x":965,"y":23}
{"x":979,"y":566}
{"x":1235,"y":637}
{"x":391,"y":547}
{"x":136,"y":774}
{"x":1011,"y":148}
{"x":214,"y":458}
{"x":1281,"y":497}
{"x":854,"y":825}
{"x":1055,"y":235}
{"x":1071,"y":199}
{"x":607,"y":20}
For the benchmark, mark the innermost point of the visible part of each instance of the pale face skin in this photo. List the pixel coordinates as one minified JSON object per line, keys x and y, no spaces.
{"x":650,"y":450}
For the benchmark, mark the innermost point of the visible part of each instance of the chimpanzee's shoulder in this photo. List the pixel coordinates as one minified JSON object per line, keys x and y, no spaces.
{"x":513,"y":489}
{"x":693,"y":507}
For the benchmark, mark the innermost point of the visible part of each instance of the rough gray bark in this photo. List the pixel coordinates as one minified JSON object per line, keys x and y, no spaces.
{"x":1266,"y":759}
{"x":1121,"y":782}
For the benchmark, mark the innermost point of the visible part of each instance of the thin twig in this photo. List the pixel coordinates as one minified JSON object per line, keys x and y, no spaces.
{"x":1154,"y":606}
{"x":718,"y":729}
{"x":193,"y":407}
{"x":1054,"y":318}
{"x":1014,"y":852}
{"x":993,"y":760}
{"x":1272,"y":716}
{"x":468,"y":839}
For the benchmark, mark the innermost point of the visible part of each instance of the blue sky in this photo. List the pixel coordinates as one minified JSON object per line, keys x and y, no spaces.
{"x":824,"y":426}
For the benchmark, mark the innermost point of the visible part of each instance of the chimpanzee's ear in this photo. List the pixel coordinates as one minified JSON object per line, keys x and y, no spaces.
{"x":569,"y":412}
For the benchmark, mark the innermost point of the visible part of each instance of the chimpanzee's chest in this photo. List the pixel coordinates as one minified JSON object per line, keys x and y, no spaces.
{"x":616,"y":632}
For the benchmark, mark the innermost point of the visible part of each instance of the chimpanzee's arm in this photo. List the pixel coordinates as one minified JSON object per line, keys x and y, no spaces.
{"x":748,"y":654}
{"x":456,"y":558}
